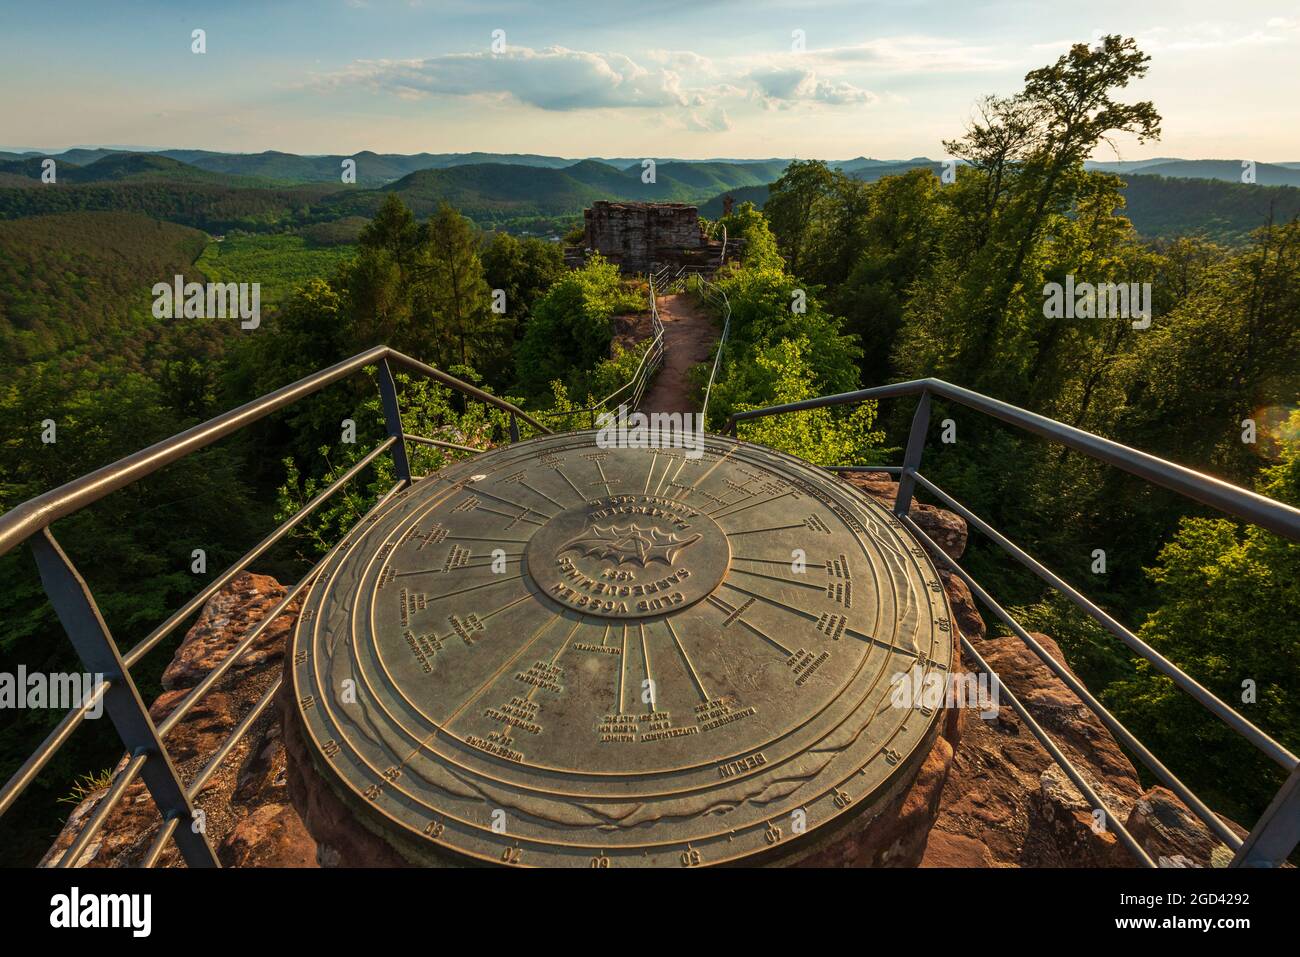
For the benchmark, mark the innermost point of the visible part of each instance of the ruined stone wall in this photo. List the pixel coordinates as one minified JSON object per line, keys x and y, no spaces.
{"x":636,"y":236}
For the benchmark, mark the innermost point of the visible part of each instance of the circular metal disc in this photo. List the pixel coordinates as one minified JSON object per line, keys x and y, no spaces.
{"x":556,"y":654}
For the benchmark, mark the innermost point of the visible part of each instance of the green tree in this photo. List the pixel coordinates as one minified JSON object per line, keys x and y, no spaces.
{"x":524,"y":269}
{"x":452,"y":295}
{"x":747,"y":226}
{"x":783,"y":373}
{"x":768,"y":307}
{"x":793,"y":207}
{"x":570,"y":329}
{"x":1229,"y":615}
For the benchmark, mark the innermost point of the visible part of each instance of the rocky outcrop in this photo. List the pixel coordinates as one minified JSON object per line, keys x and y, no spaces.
{"x":1005,"y":801}
{"x":986,"y":794}
{"x":947,"y":529}
{"x":1173,"y":836}
{"x":628,"y":331}
{"x":246,"y":809}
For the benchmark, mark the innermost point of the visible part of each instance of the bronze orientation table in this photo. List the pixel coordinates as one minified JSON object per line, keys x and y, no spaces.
{"x":557,"y":654}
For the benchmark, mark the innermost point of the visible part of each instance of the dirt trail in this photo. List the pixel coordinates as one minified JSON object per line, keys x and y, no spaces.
{"x":689,"y":334}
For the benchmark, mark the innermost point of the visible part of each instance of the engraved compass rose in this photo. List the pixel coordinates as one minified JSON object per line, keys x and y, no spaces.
{"x":630,"y":543}
{"x":641,"y":678}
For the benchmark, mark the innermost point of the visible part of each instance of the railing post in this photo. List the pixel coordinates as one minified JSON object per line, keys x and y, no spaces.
{"x":393,"y":421}
{"x":912,"y":456}
{"x":93,"y":643}
{"x":1277,"y":832}
{"x":514,"y":428}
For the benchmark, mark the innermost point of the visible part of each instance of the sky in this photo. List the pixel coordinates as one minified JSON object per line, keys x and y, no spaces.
{"x":697,"y":79}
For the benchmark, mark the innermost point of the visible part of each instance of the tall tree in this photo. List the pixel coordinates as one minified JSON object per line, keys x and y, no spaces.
{"x":452,"y":294}
{"x":793,"y":206}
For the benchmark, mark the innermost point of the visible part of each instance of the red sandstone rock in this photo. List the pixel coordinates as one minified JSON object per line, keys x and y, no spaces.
{"x":1173,"y":836}
{"x":986,"y":794}
{"x":946,"y":528}
{"x":247,"y":813}
{"x":227,"y":617}
{"x":271,"y":835}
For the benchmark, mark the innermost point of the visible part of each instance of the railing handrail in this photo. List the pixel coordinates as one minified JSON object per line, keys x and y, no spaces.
{"x":78,"y":612}
{"x":709,"y":288}
{"x":648,"y":365}
{"x":1259,"y":509}
{"x":24,"y":520}
{"x":1277,"y":831}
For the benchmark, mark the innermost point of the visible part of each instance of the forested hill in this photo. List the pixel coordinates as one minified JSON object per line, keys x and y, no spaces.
{"x":496,"y":194}
{"x":372,"y":169}
{"x":1159,"y":207}
{"x":490,"y":188}
{"x":274,"y":191}
{"x":69,"y":277}
{"x":121,"y":167}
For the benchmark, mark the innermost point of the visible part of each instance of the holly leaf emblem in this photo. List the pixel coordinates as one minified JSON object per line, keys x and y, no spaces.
{"x":630,"y":543}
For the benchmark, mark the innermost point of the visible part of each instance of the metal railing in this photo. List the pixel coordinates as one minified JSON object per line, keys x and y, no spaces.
{"x":681,"y":280}
{"x":145,"y":742}
{"x":714,"y":295}
{"x":1277,"y":832}
{"x":1274,"y":836}
{"x":634,"y":388}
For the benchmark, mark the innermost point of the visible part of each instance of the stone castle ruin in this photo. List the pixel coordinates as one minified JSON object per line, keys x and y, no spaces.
{"x":641,"y":237}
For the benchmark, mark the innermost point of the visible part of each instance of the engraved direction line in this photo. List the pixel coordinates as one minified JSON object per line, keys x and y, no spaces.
{"x":671,"y":481}
{"x":495,"y":611}
{"x":526,"y":509}
{"x":461,"y":591}
{"x":488,"y":564}
{"x":622,"y":672}
{"x":542,"y":494}
{"x":513,"y":518}
{"x":774,"y":528}
{"x":577,"y":491}
{"x":888,"y":645}
{"x":767,"y":501}
{"x":786,"y":581}
{"x":500,"y":671}
{"x":699,"y":685}
{"x":654,"y":460}
{"x":495,"y":541}
{"x":448,"y":571}
{"x":568,"y":638}
{"x":809,"y":615}
{"x":730,"y":612}
{"x":701,"y":479}
{"x":601,"y":469}
{"x":645,"y":653}
{"x":773,"y":601}
{"x":773,"y":561}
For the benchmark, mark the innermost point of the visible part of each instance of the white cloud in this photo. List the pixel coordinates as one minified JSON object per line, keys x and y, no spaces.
{"x":712,"y":121}
{"x":913,"y":54}
{"x":781,"y":86}
{"x":554,"y":78}
{"x":695,"y":87}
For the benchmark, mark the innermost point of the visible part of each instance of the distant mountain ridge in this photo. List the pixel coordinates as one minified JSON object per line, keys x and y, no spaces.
{"x":379,"y":169}
{"x":221,"y":191}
